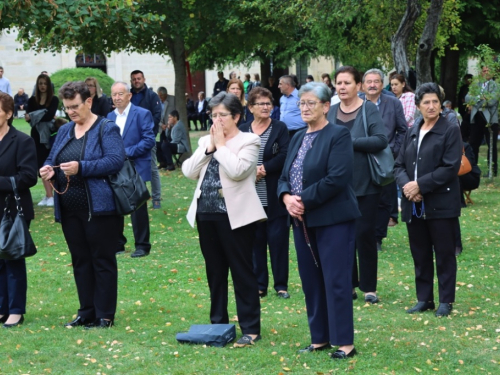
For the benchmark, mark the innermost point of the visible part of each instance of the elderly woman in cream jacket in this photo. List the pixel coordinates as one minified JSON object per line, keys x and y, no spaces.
{"x":226,"y":209}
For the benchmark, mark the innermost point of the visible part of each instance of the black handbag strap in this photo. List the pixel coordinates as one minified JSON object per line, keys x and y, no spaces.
{"x":365,"y":124}
{"x":16,"y":196}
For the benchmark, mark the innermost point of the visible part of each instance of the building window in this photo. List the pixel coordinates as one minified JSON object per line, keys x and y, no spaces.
{"x":89,"y":60}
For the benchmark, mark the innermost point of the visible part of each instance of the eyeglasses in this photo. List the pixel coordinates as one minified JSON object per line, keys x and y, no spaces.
{"x":221,"y":115}
{"x":72,"y":107}
{"x":309,"y":104}
{"x":263,"y":104}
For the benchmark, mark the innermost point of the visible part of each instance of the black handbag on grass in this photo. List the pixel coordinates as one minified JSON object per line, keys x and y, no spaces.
{"x":381,"y":163}
{"x":129,"y":189}
{"x":15,"y":237}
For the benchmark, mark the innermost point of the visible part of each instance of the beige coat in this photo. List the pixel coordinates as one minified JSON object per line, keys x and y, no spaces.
{"x":237,"y":169}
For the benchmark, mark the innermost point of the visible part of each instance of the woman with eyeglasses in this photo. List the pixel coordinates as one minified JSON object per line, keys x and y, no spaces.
{"x":226,"y":209}
{"x":85,"y":152}
{"x":316,"y":189}
{"x":274,"y":232}
{"x":44,"y":98}
{"x":349,"y":113}
{"x":100,"y":102}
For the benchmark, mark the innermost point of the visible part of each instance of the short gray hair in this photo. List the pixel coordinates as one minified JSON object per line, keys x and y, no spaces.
{"x":162,"y":90}
{"x":374,"y":71}
{"x":289,"y":79}
{"x":446,"y":102}
{"x":319,"y":89}
{"x":228,"y":100}
{"x":127,"y":86}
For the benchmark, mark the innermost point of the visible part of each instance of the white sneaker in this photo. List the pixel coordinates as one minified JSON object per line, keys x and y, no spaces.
{"x":43,"y":202}
{"x":50,"y":202}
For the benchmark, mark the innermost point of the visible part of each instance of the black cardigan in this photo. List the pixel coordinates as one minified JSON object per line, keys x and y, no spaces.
{"x":327,"y":191}
{"x":18,"y":159}
{"x":274,"y":158}
{"x":439,"y":160}
{"x":363,"y":144}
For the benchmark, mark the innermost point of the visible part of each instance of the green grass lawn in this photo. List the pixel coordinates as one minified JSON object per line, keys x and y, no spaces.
{"x":167,"y":292}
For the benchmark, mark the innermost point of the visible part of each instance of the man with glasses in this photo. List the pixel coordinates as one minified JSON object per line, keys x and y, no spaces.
{"x":392,"y":113}
{"x":136,"y":128}
{"x":289,"y":110}
{"x":148,"y":99}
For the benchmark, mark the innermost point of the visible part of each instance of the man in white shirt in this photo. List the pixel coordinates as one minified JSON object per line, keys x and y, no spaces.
{"x":4,"y":83}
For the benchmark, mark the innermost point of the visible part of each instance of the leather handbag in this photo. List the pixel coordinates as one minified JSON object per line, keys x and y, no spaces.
{"x":381,"y":163}
{"x":465,"y":166}
{"x":129,"y":189}
{"x":15,"y":238}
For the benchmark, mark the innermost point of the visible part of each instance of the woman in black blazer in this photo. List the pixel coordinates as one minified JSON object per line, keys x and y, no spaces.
{"x":274,"y":232}
{"x":316,"y":188}
{"x":17,"y":159}
{"x":427,"y":174}
{"x":349,"y":113}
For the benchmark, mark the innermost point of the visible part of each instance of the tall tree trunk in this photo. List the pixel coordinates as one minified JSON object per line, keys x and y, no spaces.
{"x":265,"y":70}
{"x":399,"y":41}
{"x":450,"y":65}
{"x":426,"y":43}
{"x":177,"y":52}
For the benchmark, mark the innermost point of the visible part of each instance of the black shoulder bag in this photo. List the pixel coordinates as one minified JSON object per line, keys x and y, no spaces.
{"x":129,"y":189}
{"x":15,"y":237}
{"x":381,"y":163}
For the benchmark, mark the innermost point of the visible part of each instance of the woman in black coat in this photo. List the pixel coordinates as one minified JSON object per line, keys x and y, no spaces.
{"x":427,"y":174}
{"x":17,"y":159}
{"x":316,"y":188}
{"x":100,"y":102}
{"x":349,"y":113}
{"x":274,"y":232}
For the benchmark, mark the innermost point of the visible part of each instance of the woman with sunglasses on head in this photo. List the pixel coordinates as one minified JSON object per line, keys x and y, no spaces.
{"x":82,"y":157}
{"x":226,"y":209}
{"x":316,"y":188}
{"x":44,"y":98}
{"x":18,"y":160}
{"x":274,"y":232}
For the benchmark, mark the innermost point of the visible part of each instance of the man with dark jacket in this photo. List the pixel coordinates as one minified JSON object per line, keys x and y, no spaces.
{"x":20,"y":101}
{"x":147,"y":99}
{"x":220,"y":85}
{"x":392,"y":113}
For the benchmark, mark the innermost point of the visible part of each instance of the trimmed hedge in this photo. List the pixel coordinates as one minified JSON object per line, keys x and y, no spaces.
{"x":62,"y":76}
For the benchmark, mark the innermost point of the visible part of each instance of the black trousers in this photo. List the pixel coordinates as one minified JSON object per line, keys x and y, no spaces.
{"x":168,"y":149}
{"x":92,"y":244}
{"x":226,"y":249}
{"x":478,"y":132}
{"x":388,"y":200}
{"x":327,"y":285}
{"x":276,"y":233}
{"x":140,"y":227}
{"x":13,"y":285}
{"x":429,"y":237}
{"x":366,"y":246}
{"x":193,"y":117}
{"x":202,"y":118}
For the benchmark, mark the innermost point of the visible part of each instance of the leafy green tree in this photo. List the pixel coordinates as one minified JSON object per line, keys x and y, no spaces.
{"x":62,"y":76}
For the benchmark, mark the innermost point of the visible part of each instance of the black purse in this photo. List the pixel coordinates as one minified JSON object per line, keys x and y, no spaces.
{"x":381,"y":163}
{"x":15,"y":237}
{"x":129,"y":189}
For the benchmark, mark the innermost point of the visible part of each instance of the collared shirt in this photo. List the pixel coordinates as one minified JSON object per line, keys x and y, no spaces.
{"x":407,"y":99}
{"x":121,"y":118}
{"x":290,"y":112}
{"x":5,"y":86}
{"x":200,"y":105}
{"x":162,"y":106}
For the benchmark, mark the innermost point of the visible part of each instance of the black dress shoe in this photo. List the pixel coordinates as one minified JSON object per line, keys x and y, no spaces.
{"x":340,"y":354}
{"x":100,"y":323}
{"x":19,"y":322}
{"x":283,"y":295}
{"x":262,"y":293}
{"x":79,"y":321}
{"x":354,"y":296}
{"x":311,"y":348}
{"x":138,"y":253}
{"x":444,"y":309}
{"x":4,"y":318}
{"x":421,"y":307}
{"x":371,"y":298}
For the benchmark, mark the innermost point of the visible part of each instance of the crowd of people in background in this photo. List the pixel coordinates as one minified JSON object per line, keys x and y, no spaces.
{"x":285,"y":155}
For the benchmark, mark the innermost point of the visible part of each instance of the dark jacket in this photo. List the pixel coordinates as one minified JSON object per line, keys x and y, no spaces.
{"x":20,"y":100}
{"x":327,"y":191}
{"x":18,"y":159}
{"x":439,"y":159}
{"x":205,"y":105}
{"x":274,"y":158}
{"x":100,"y":106}
{"x":362,"y":144}
{"x":151,"y":102}
{"x":100,"y":158}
